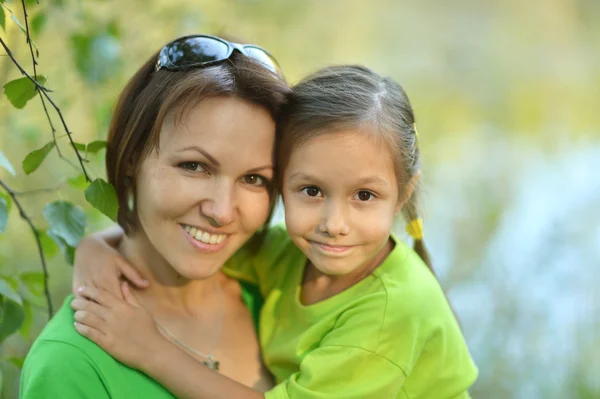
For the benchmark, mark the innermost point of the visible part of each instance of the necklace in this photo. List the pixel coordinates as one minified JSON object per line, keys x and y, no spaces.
{"x":210,"y":361}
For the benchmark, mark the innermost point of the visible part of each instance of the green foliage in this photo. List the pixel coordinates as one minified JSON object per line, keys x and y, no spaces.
{"x":97,"y":54}
{"x":91,"y":148}
{"x":49,"y":246}
{"x":3,"y":213}
{"x":37,"y":23}
{"x":14,"y":18}
{"x":66,"y":225}
{"x":12,"y":314}
{"x":34,"y":159}
{"x":79,"y":182}
{"x":3,"y":25}
{"x":102,"y":196}
{"x":21,"y":90}
{"x":6,"y":164}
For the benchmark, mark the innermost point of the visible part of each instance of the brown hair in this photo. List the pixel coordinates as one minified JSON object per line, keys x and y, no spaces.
{"x":341,"y":97}
{"x":151,"y":95}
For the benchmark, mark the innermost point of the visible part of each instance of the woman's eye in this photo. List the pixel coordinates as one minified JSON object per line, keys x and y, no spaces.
{"x":364,"y":195}
{"x":311,"y":191}
{"x":192,"y":166}
{"x":254,"y":180}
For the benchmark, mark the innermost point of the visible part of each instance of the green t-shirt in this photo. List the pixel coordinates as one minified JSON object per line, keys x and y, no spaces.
{"x":64,"y":364}
{"x":392,"y":335}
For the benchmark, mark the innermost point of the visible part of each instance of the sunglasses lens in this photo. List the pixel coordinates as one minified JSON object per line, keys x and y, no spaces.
{"x":197,"y":50}
{"x":262,"y":56}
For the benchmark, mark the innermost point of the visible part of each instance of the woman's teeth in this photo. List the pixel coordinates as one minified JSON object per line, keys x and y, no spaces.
{"x":203,"y":236}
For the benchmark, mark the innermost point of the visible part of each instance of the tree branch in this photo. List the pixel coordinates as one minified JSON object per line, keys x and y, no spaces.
{"x":38,"y":241}
{"x":44,"y":91}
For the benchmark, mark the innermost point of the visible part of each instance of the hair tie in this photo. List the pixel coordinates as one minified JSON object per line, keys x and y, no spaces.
{"x":415,"y":228}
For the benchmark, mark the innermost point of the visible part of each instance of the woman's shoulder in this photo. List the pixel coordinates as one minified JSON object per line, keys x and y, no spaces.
{"x":60,"y":337}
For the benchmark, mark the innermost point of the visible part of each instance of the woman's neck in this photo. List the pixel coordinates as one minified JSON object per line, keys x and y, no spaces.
{"x":168,"y":290}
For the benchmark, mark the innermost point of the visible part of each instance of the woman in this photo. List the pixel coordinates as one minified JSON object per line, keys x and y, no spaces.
{"x":189,"y":199}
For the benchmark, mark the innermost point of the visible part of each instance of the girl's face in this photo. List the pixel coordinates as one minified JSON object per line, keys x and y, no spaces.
{"x":203,"y":194}
{"x":341,"y":196}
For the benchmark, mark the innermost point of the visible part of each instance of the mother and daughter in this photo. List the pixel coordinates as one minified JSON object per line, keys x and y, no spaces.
{"x":203,"y":140}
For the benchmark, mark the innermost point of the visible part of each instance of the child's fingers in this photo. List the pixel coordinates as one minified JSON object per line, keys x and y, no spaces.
{"x":91,"y":333}
{"x":127,"y":295}
{"x":81,"y":303}
{"x":130,"y":273}
{"x":90,"y":319}
{"x":99,"y":295}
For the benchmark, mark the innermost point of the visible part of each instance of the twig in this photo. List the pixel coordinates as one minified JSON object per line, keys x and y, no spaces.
{"x":38,"y":241}
{"x":35,"y":64}
{"x":44,"y":91}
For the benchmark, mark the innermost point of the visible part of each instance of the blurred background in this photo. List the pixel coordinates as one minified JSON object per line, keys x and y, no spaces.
{"x":506,"y":96}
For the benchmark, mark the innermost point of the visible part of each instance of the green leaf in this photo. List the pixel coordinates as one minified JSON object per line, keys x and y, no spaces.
{"x":97,"y":54}
{"x":37,"y":23}
{"x":6,"y":164}
{"x":18,"y":23}
{"x":7,"y":291}
{"x":49,"y":247}
{"x":78,"y":182}
{"x":65,"y":221}
{"x":17,"y":361}
{"x":21,"y":90}
{"x":28,"y":322}
{"x":3,"y":24}
{"x":34,"y":281}
{"x":102,"y":196}
{"x":92,"y":147}
{"x":66,"y":249}
{"x":96,"y":146}
{"x":34,"y":159}
{"x":12,"y":314}
{"x":7,"y":199}
{"x":79,"y":146}
{"x":3,"y":214}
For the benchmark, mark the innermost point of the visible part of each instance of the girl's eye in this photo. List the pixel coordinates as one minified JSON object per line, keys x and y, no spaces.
{"x":311,"y":191}
{"x":364,"y":195}
{"x":254,"y":180}
{"x":193,"y":166}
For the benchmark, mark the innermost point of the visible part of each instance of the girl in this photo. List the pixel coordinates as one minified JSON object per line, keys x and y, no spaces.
{"x":349,"y":311}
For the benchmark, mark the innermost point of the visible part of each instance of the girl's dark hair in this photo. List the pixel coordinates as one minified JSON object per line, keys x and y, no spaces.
{"x":342,"y":97}
{"x":151,"y":95}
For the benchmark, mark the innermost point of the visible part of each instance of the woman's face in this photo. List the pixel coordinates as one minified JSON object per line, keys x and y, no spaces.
{"x":203,"y":193}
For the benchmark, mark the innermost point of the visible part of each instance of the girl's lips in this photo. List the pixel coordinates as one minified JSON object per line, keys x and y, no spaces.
{"x":333,"y":248}
{"x":202,"y":246}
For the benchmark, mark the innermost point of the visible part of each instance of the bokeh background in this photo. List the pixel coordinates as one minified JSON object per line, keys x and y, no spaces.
{"x":506,"y":96}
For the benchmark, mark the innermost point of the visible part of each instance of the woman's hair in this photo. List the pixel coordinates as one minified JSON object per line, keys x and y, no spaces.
{"x":151,"y":95}
{"x":345,"y":97}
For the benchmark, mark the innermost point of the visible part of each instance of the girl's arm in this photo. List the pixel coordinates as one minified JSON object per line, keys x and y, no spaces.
{"x":98,"y":264}
{"x":129,"y":334}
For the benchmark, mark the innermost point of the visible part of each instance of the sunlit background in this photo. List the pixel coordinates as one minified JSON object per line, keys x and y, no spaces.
{"x":506,"y":96}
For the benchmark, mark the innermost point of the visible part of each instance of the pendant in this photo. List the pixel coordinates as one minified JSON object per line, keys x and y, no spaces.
{"x":211,"y":363}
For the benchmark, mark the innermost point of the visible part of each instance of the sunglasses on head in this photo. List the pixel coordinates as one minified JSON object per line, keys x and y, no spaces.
{"x":205,"y":50}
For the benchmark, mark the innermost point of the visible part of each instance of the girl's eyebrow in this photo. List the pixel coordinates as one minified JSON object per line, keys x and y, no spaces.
{"x":362,"y":181}
{"x":372,"y":180}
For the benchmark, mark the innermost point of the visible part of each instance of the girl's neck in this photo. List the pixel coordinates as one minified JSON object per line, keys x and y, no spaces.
{"x":168,"y":290}
{"x":318,"y":286}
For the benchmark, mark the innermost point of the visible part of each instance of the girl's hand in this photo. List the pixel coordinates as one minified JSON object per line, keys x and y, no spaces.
{"x":98,"y":264}
{"x":122,"y":328}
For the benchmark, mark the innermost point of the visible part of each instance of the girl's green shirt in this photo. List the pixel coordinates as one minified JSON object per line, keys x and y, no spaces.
{"x":392,"y":335}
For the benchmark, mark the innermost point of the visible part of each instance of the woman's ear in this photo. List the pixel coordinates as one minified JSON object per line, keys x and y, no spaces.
{"x":412,"y":184}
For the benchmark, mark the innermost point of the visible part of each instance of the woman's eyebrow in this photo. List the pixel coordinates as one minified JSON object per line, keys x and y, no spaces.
{"x":201,"y":151}
{"x":269,"y":166}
